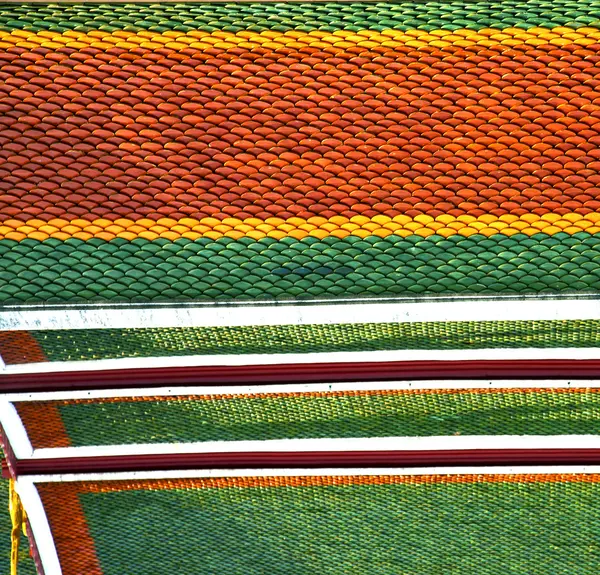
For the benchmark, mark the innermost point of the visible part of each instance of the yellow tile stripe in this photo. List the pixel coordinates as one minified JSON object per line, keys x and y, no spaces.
{"x":328,"y":41}
{"x":319,"y":227}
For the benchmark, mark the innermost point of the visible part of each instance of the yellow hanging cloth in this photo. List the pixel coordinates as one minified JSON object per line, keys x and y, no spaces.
{"x":17,"y":517}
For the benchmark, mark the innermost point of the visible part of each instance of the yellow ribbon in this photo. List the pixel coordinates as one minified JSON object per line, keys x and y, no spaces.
{"x":17,"y":517}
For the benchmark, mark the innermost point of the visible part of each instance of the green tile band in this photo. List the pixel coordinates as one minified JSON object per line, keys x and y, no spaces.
{"x":481,"y":528}
{"x":90,"y":344}
{"x":325,"y":415}
{"x":258,"y":17}
{"x":226,"y":269}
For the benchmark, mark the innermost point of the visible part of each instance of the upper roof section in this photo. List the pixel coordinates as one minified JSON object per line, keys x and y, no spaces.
{"x":261,"y":151}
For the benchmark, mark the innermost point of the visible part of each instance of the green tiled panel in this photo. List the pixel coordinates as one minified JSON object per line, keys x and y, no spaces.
{"x":233,"y":17}
{"x":546,"y":412}
{"x":420,"y":529}
{"x":141,"y":270}
{"x":89,"y":344}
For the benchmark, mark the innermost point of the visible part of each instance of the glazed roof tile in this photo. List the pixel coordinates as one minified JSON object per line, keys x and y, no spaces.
{"x":207,"y":153}
{"x":227,"y":152}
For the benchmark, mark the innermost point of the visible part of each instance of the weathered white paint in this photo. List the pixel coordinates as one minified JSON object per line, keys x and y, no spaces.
{"x":456,"y":308}
{"x":14,"y":430}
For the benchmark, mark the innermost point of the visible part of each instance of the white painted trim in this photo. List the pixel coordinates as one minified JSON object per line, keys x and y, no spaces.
{"x":38,"y":523}
{"x":307,"y":358}
{"x":430,"y":443}
{"x":2,"y":364}
{"x":14,"y":430}
{"x":170,"y":391}
{"x":312,"y":472}
{"x":476,"y":308}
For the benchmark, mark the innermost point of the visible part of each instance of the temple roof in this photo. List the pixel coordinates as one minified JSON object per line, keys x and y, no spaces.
{"x":292,"y":287}
{"x":243,"y":152}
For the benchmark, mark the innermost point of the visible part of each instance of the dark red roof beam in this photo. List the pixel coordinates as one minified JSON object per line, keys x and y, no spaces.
{"x":308,"y":459}
{"x":302,"y":373}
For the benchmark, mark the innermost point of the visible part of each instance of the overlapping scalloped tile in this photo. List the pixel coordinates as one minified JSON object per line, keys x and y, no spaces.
{"x":259,"y":151}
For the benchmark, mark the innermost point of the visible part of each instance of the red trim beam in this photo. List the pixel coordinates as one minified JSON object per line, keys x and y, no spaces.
{"x":309,"y":459}
{"x":301,"y":373}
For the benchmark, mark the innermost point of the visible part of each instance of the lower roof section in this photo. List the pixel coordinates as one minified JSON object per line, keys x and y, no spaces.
{"x":261,"y":416}
{"x":381,"y":423}
{"x":383,"y":521}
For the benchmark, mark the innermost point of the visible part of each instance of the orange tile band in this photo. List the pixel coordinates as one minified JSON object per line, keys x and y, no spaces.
{"x":70,"y":531}
{"x":43,"y":423}
{"x":19,"y":346}
{"x":234,"y":132}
